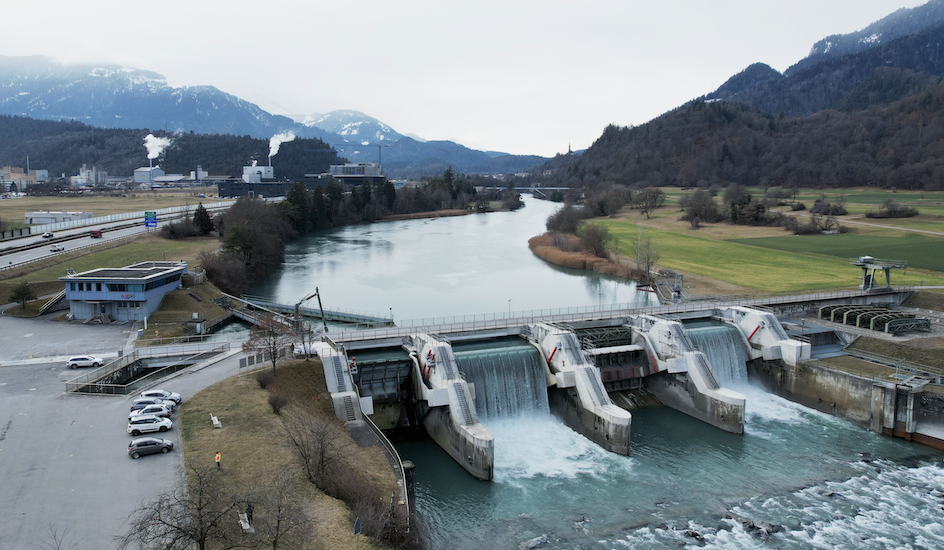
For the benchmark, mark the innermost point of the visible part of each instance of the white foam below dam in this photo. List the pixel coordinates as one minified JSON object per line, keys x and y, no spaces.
{"x":793,"y":466}
{"x":886,"y":506}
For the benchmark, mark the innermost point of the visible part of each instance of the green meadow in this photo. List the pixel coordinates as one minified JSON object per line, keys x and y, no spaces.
{"x":918,"y":250}
{"x":787,"y":264}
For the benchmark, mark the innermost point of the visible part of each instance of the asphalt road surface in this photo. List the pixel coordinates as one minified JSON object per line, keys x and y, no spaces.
{"x":65,"y":472}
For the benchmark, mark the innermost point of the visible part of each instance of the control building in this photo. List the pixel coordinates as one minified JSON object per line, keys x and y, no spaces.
{"x":122,"y":294}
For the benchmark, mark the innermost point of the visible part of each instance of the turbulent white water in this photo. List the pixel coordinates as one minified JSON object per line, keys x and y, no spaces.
{"x":824,"y":482}
{"x":885,"y":506}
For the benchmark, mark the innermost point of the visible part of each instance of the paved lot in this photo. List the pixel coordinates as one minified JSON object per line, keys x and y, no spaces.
{"x":64,"y":465}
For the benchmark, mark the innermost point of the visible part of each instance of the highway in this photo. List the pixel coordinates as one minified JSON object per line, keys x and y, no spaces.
{"x":23,"y":250}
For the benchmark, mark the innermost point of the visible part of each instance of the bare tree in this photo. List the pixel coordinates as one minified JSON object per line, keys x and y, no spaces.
{"x":596,"y":239}
{"x":57,"y":540}
{"x":646,"y":254}
{"x":306,"y":336}
{"x":282,"y":520}
{"x":271,"y":337}
{"x":649,"y":199}
{"x":179,"y":519}
{"x":319,"y":442}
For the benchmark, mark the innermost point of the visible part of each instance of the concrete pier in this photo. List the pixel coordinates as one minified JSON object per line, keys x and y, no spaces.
{"x":579,"y":397}
{"x":449,"y":408}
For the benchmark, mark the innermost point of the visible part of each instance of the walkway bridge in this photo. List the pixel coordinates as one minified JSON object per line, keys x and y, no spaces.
{"x":632,"y":346}
{"x":339,"y":315}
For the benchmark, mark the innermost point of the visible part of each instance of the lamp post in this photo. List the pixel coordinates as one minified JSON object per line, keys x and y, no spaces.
{"x":509,"y":308}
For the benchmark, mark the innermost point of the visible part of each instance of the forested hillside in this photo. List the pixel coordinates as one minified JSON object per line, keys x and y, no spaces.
{"x":817,"y":87}
{"x":900,"y":23}
{"x":900,"y":144}
{"x":63,"y":147}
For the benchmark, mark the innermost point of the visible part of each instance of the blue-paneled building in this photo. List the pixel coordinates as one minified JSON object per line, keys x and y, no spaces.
{"x":122,"y":294}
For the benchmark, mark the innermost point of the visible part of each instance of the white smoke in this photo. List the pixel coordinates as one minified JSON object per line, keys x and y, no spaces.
{"x":155,"y":145}
{"x":277,"y":140}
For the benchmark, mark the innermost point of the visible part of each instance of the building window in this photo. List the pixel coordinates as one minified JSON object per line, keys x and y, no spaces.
{"x":98,"y":287}
{"x":72,"y":287}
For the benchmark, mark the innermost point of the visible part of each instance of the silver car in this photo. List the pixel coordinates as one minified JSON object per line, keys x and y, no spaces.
{"x":162,"y":394}
{"x":148,"y":423}
{"x":142,"y":402}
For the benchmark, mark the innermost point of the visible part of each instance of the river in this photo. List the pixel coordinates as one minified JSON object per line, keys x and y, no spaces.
{"x":441,"y":267}
{"x":829,"y":484}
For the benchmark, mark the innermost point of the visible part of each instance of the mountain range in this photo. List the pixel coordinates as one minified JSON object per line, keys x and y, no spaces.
{"x":109,"y":96}
{"x":861,"y":109}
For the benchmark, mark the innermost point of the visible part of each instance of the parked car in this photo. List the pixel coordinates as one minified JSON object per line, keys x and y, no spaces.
{"x":149,"y":445}
{"x":142,"y":402}
{"x":156,"y":410}
{"x":47,"y":235}
{"x":162,"y":394}
{"x":148,"y":423}
{"x":85,"y":361}
{"x":57,"y":248}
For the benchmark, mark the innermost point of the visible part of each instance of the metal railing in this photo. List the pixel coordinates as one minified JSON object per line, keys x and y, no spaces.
{"x":397,"y":463}
{"x":898,"y":364}
{"x":492,"y":321}
{"x":367,"y":315}
{"x":138,"y":354}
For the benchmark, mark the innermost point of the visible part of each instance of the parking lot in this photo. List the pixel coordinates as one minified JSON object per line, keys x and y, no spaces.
{"x":63,"y":458}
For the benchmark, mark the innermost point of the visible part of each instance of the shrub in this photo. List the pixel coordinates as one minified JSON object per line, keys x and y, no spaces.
{"x":180,"y":230}
{"x":277,"y":402}
{"x":891,"y":209}
{"x":798,"y":206}
{"x":828,"y":209}
{"x":265,"y":378}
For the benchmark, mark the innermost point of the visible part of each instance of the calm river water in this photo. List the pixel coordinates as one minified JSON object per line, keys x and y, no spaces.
{"x":440,"y":267}
{"x":828,"y":483}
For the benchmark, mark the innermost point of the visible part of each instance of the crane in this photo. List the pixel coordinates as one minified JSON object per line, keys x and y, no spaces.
{"x":305,"y":299}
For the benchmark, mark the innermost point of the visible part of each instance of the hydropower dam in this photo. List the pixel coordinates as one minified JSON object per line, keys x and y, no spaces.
{"x":591,"y":369}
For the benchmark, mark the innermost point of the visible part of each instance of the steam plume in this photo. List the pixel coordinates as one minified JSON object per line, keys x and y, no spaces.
{"x":277,"y":140}
{"x":155,"y":145}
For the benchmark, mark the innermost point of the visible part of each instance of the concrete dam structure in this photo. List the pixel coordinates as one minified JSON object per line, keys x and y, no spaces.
{"x":448,"y":382}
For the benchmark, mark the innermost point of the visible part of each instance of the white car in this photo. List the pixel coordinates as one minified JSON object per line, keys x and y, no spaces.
{"x":85,"y":361}
{"x":57,"y":248}
{"x":148,"y":423}
{"x":157,"y":410}
{"x":162,"y":394}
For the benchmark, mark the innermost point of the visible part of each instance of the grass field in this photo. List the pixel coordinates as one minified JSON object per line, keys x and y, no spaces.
{"x":143,"y":249}
{"x":762,"y":269}
{"x":918,"y":250}
{"x":12,"y":210}
{"x":254,"y":448}
{"x":770,"y":260}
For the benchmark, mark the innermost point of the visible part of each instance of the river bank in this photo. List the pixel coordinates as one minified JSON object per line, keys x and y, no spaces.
{"x":563,"y":251}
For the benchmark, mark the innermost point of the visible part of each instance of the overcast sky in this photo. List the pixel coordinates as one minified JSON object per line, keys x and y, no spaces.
{"x":525,"y":77}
